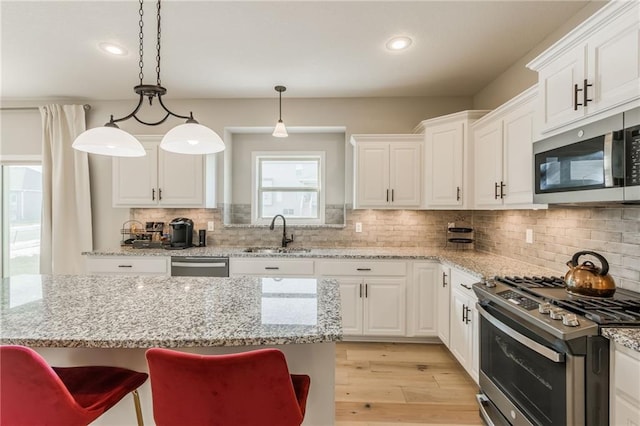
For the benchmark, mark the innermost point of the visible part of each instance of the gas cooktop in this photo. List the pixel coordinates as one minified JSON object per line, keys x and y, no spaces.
{"x":621,"y":309}
{"x":546,"y":303}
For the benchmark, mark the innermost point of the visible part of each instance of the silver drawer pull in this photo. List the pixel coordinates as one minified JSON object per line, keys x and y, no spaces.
{"x":125,"y":266}
{"x":363,"y":269}
{"x":271,"y":267}
{"x":466,"y":286}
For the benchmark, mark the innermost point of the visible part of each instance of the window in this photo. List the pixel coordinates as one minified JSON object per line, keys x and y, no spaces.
{"x":288,"y":184}
{"x":21,"y":213}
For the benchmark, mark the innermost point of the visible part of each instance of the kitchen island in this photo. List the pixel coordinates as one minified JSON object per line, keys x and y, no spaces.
{"x":112,"y":320}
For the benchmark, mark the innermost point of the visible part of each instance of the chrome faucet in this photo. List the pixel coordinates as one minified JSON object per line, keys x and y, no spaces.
{"x":285,"y":240}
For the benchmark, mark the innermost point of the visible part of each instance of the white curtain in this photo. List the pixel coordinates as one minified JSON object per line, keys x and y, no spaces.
{"x":66,"y":200}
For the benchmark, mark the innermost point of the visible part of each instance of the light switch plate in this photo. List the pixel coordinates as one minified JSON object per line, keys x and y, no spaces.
{"x":358,"y":226}
{"x":210,"y":226}
{"x":529,"y":236}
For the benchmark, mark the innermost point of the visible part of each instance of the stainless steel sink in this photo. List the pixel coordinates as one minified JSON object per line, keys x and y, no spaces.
{"x":276,"y":250}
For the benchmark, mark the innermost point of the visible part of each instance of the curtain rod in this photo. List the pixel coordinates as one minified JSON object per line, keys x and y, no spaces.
{"x":86,"y":107}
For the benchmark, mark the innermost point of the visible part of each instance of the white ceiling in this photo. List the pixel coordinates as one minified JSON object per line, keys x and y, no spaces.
{"x":241,"y":49}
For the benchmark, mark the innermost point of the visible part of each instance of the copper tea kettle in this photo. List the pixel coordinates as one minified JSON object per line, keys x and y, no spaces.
{"x":587,"y":279}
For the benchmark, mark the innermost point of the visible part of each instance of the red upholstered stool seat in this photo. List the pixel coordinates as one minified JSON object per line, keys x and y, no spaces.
{"x":33,"y":393}
{"x":243,"y":389}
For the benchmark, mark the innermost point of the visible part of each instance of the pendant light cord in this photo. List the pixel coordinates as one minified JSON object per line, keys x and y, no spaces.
{"x":158,"y":47}
{"x":280,"y":119}
{"x":141,"y":39}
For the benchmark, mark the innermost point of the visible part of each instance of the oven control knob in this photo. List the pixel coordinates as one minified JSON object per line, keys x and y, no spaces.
{"x":490,"y":283}
{"x":570,"y":320}
{"x":556,"y":314}
{"x":544,"y":308}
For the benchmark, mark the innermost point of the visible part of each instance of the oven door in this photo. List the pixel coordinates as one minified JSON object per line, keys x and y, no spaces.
{"x":525,"y":377}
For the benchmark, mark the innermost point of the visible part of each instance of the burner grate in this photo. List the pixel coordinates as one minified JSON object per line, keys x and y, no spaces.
{"x":533,"y":282}
{"x":605,"y":311}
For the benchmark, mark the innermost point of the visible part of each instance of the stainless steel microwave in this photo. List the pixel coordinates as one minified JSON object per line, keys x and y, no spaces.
{"x":596,"y":163}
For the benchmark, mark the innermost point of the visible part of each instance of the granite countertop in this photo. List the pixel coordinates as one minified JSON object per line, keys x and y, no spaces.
{"x":151,"y":311}
{"x":481,"y":264}
{"x":629,"y":337}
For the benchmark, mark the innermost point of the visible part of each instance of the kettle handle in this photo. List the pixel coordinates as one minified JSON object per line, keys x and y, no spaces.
{"x":605,"y":265}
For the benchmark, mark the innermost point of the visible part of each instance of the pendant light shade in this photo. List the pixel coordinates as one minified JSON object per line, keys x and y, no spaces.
{"x":188,"y":138}
{"x":109,"y":140}
{"x":280,"y":131}
{"x":192,"y":138}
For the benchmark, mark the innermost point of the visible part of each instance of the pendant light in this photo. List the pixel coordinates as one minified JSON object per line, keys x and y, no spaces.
{"x":280,"y":131}
{"x":188,"y":138}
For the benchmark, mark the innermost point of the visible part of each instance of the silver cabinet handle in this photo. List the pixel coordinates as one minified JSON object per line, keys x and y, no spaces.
{"x":363,"y":269}
{"x":271,"y":267}
{"x":495,"y":191}
{"x":387,"y":195}
{"x":153,"y":194}
{"x":125,"y":266}
{"x":366,"y":290}
{"x":585,"y":96}
{"x":466,"y":286}
{"x":444,"y":279}
{"x":457,"y":193}
{"x":521,"y":338}
{"x":392,"y":195}
{"x":160,"y":194}
{"x":360,"y":290}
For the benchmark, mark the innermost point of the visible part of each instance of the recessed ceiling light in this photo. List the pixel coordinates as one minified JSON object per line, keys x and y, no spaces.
{"x":113,"y":49}
{"x":399,"y":43}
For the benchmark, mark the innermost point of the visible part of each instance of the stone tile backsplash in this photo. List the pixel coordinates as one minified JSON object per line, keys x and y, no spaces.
{"x":613,"y":232}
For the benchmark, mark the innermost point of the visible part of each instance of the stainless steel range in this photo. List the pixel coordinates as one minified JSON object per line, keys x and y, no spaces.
{"x":542,"y":359}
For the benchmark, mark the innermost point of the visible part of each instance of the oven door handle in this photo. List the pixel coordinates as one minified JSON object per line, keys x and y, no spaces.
{"x":521,"y":338}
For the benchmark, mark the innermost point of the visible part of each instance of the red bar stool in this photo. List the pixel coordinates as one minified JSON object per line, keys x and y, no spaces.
{"x":243,"y":389}
{"x":34,"y":393}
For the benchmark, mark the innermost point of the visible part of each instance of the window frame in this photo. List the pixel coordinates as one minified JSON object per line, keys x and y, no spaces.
{"x":256,"y":174}
{"x":5,"y":162}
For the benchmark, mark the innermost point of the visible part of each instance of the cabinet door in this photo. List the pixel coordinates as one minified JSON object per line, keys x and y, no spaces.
{"x":135,"y":179}
{"x":180,"y":179}
{"x":384,"y":307}
{"x":444,"y":145}
{"x":373,"y":175}
{"x":518,"y":156}
{"x":443,"y":303}
{"x":614,"y":58}
{"x":351,"y":300}
{"x":460,"y":337}
{"x":488,"y":163}
{"x":406,"y":174}
{"x":423,"y":303}
{"x":557,"y":83}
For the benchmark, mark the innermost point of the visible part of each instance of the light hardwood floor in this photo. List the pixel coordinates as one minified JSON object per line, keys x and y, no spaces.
{"x":384,"y":384}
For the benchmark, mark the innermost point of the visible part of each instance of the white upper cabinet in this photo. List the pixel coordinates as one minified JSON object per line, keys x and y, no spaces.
{"x":592,"y":72}
{"x":503,"y":154}
{"x":447,"y":160}
{"x":163,"y":179}
{"x":387,"y":171}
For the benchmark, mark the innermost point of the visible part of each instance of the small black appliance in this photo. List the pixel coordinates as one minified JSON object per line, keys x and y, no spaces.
{"x":181,"y":233}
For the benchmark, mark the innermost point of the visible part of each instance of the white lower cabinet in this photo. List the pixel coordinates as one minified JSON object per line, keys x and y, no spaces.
{"x":271,"y":267}
{"x":464,"y":331}
{"x":421,"y":303}
{"x":128,"y":265}
{"x":625,"y":386}
{"x":373,"y":295}
{"x":443,"y":303}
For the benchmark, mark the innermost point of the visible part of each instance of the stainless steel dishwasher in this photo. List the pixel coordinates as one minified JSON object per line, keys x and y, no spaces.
{"x":199,"y":266}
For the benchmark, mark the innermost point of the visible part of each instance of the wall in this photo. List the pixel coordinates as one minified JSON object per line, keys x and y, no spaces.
{"x":560,"y":232}
{"x":20,"y":133}
{"x":517,"y":78}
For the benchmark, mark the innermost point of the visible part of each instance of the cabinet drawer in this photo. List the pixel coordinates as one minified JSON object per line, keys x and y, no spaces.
{"x":362,"y":268}
{"x":128,"y":265}
{"x":462,"y":282}
{"x":274,"y":267}
{"x":627,"y":373}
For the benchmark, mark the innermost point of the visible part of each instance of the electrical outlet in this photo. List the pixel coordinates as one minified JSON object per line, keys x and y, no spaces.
{"x":358,"y":226}
{"x":529,"y":236}
{"x":210,"y":226}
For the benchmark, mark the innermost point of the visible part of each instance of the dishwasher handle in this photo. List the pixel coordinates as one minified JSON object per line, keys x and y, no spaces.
{"x":199,"y":264}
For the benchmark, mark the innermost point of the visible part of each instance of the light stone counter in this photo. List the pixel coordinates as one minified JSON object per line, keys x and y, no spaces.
{"x":150,"y":311}
{"x":111,"y":320}
{"x":480,"y":264}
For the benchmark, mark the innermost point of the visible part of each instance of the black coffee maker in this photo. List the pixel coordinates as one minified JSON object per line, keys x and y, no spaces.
{"x":181,"y":233}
